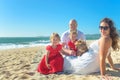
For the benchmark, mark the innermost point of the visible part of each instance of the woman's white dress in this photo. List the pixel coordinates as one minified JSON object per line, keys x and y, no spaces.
{"x":85,"y":64}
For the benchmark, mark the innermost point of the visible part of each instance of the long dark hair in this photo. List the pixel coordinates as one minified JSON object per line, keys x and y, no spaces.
{"x":113,"y":33}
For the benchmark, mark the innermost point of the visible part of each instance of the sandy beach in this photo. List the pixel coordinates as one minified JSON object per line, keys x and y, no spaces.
{"x":21,"y":64}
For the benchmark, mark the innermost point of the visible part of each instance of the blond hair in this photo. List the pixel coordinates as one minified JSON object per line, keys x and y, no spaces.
{"x":73,"y":33}
{"x":53,"y":35}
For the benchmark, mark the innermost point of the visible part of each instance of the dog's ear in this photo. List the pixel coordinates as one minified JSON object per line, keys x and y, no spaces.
{"x":80,"y":41}
{"x":76,"y":44}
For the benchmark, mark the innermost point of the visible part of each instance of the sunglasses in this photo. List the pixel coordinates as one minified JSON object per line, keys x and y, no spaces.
{"x":104,"y":27}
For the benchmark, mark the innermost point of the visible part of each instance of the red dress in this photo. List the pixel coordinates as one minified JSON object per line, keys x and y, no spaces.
{"x":71,"y":45}
{"x":55,"y":60}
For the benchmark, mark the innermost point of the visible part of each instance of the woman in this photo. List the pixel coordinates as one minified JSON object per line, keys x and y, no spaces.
{"x":94,"y":59}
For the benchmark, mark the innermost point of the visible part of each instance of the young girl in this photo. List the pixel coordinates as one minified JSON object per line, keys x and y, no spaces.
{"x":52,"y":62}
{"x":71,"y":43}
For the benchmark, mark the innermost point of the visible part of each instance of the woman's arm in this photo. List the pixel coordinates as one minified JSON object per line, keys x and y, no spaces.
{"x":109,"y":58}
{"x":104,"y":45}
{"x":110,"y":61}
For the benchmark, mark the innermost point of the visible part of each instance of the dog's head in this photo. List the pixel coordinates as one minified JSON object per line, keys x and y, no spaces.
{"x":81,"y":47}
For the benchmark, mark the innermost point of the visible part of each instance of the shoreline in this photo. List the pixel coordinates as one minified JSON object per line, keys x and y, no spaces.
{"x":21,"y":64}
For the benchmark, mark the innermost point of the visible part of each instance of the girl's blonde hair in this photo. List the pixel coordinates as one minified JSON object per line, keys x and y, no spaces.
{"x":53,"y":35}
{"x":73,"y":33}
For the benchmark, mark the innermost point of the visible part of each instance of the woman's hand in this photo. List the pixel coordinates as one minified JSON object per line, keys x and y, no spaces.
{"x":106,"y":77}
{"x":116,"y":68}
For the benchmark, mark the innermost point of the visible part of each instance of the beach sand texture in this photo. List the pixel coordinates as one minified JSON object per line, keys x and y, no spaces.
{"x":21,"y":64}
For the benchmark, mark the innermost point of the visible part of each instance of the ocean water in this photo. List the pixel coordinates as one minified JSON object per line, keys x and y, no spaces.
{"x":20,"y":42}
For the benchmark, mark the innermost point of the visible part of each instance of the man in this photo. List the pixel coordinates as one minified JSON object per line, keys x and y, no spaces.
{"x":73,"y":27}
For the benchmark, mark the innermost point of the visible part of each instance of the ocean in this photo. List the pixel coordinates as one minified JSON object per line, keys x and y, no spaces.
{"x":20,"y":42}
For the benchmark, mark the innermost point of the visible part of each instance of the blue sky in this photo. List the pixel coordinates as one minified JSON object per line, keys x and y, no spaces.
{"x":42,"y":17}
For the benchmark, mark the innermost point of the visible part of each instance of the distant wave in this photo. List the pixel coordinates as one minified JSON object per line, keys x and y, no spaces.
{"x":14,"y":43}
{"x":12,"y":46}
{"x":43,"y":41}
